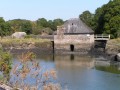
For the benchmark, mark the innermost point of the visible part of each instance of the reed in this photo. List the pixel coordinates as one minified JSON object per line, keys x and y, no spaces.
{"x":29,"y":67}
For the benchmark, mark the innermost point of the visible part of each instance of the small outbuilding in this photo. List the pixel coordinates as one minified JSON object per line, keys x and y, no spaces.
{"x":73,"y":36}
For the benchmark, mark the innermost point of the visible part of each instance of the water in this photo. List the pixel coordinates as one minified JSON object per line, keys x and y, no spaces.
{"x":79,"y":72}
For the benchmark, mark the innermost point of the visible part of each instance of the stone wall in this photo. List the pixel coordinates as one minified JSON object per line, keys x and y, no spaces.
{"x":77,"y":42}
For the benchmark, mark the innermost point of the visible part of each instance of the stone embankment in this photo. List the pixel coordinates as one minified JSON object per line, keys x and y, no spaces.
{"x":20,"y":45}
{"x":113,"y":49}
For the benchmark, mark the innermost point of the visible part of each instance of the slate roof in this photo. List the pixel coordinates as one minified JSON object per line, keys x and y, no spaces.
{"x":76,"y":26}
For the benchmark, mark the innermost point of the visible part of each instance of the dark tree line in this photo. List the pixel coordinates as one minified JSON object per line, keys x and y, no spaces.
{"x":4,"y":27}
{"x":106,"y":19}
{"x":30,"y":27}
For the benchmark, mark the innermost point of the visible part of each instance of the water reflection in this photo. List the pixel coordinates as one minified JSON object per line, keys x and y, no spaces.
{"x":63,"y":61}
{"x":79,"y":72}
{"x":112,"y":67}
{"x":82,"y":72}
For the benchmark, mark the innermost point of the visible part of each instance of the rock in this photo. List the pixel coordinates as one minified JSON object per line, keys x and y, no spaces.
{"x":118,"y":57}
{"x":18,"y":35}
{"x":5,"y":87}
{"x":31,"y":46}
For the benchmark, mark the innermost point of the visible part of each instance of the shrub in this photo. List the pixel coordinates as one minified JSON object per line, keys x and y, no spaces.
{"x":30,"y":68}
{"x":5,"y":64}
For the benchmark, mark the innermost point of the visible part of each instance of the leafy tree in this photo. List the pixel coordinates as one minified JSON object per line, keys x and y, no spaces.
{"x":87,"y":18}
{"x":98,"y":19}
{"x":15,"y":25}
{"x":2,"y":20}
{"x":115,"y":26}
{"x":1,"y":26}
{"x":57,"y":22}
{"x":26,"y":27}
{"x":21,"y":25}
{"x":4,"y":27}
{"x":108,"y":18}
{"x":42,"y":22}
{"x":50,"y":24}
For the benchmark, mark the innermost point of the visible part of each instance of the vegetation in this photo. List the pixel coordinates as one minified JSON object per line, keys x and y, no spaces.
{"x":27,"y":67}
{"x":8,"y":42}
{"x":30,"y":27}
{"x":113,"y":45}
{"x":106,"y":19}
{"x":110,"y":69}
{"x":4,"y":27}
{"x":5,"y":65}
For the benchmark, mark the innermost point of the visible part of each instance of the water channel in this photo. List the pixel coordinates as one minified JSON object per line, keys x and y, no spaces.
{"x":82,"y":72}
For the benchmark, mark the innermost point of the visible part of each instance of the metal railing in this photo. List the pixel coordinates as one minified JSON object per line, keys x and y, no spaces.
{"x":101,"y":37}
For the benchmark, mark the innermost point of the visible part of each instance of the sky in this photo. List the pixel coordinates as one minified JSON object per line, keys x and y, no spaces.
{"x":49,"y":9}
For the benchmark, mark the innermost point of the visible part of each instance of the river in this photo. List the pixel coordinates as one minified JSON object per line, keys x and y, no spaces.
{"x":82,"y":72}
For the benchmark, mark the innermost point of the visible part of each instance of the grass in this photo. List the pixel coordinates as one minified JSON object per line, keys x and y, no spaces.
{"x":113,"y":45}
{"x":8,"y":42}
{"x":114,"y":41}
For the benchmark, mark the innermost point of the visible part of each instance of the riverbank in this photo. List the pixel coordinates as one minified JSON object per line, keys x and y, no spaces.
{"x":46,"y":46}
{"x":113,"y":46}
{"x":27,"y":44}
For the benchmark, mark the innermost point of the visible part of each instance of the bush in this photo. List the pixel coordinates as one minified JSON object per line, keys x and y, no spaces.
{"x":29,"y":67}
{"x":5,"y":64}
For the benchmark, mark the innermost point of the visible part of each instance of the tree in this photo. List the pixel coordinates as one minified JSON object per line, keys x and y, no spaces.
{"x":115,"y":26}
{"x":21,"y":25}
{"x":26,"y":27}
{"x":50,"y":24}
{"x":87,"y":18}
{"x":107,"y":18}
{"x":4,"y":27}
{"x":57,"y":22}
{"x":42,"y":22}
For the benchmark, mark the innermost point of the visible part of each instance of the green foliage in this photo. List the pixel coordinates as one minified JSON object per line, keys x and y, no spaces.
{"x":42,"y":22}
{"x":5,"y":65}
{"x":26,"y":27}
{"x":87,"y":18}
{"x":30,"y":27}
{"x":2,"y":20}
{"x":106,"y":19}
{"x":57,"y":22}
{"x":19,"y":25}
{"x":4,"y":27}
{"x":47,"y":26}
{"x":111,"y":69}
{"x":5,"y":62}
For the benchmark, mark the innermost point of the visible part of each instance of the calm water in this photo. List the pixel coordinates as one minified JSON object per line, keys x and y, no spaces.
{"x":82,"y":72}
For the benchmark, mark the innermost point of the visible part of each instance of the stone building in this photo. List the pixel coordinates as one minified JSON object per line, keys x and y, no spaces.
{"x":73,"y":36}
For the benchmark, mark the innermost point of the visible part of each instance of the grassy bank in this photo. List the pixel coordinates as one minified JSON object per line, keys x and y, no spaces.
{"x":113,"y":46}
{"x":25,"y":43}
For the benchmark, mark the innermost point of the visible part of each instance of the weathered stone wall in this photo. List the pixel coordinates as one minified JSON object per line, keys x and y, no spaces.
{"x":80,"y":41}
